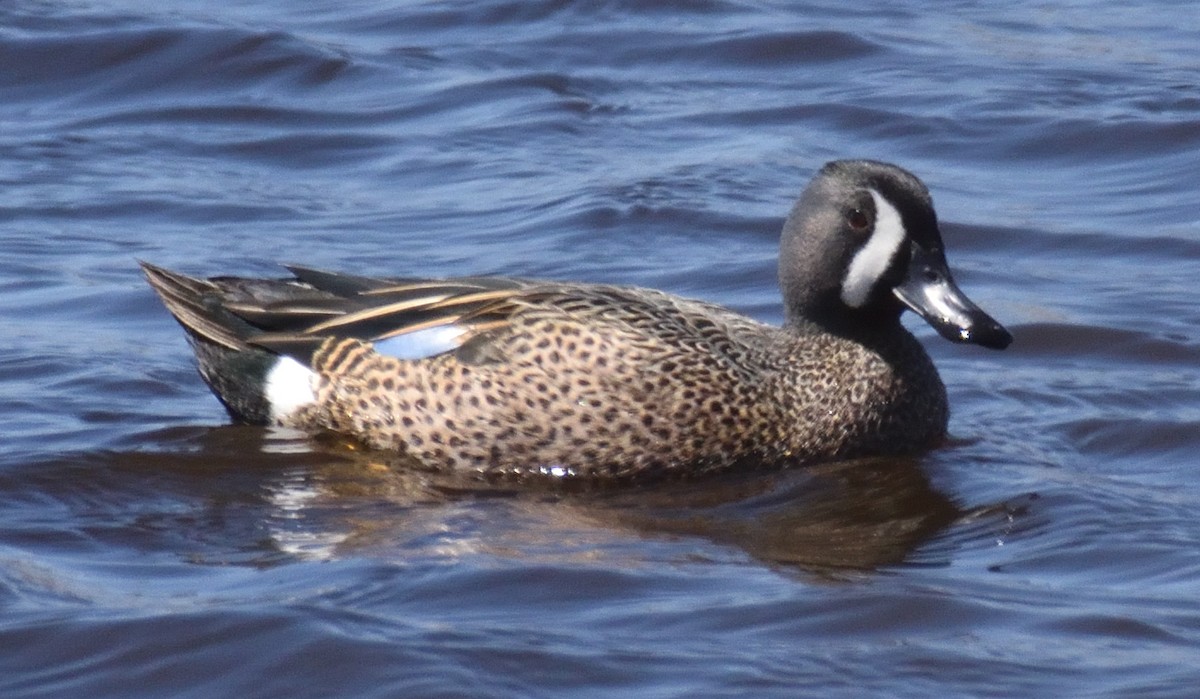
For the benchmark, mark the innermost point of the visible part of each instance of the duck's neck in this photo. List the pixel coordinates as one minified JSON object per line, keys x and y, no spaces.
{"x":870,"y":327}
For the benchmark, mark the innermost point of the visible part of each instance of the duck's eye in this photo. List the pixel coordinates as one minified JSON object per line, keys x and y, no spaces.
{"x":858,"y":220}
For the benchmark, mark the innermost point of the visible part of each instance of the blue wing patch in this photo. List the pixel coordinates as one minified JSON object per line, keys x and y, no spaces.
{"x":421,"y":344}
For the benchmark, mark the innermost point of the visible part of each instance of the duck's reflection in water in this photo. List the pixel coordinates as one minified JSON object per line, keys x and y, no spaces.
{"x":324,"y":500}
{"x":841,"y":517}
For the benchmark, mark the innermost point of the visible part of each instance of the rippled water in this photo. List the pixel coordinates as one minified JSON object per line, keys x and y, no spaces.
{"x":147,"y":548}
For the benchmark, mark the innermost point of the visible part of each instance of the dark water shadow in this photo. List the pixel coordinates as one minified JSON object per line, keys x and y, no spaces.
{"x":246,"y":496}
{"x":831,"y":519}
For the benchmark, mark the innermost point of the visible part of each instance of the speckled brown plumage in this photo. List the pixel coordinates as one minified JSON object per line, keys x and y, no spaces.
{"x":604,"y":381}
{"x":649,"y":389}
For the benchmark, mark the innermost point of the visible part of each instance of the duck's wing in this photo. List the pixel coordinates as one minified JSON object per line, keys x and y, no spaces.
{"x":406,"y":318}
{"x":420,"y":318}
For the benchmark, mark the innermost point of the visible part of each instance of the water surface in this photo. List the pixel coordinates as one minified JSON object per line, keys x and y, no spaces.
{"x":148,"y":548}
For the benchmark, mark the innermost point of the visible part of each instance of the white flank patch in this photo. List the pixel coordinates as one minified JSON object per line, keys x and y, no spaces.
{"x":289,"y":388}
{"x":420,"y":344}
{"x":876,"y":256}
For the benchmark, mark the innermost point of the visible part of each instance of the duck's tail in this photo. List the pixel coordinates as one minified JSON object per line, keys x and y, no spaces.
{"x":236,"y":371}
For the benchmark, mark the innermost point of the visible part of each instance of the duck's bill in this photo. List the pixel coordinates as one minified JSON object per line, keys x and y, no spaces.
{"x":930,"y":291}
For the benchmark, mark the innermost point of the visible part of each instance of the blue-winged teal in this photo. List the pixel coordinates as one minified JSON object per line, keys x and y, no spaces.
{"x":516,"y":376}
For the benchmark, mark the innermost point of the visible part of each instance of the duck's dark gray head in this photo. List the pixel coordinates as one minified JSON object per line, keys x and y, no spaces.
{"x":861,"y":245}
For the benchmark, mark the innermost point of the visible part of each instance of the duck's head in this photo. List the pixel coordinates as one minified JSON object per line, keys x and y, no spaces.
{"x":861,"y":245}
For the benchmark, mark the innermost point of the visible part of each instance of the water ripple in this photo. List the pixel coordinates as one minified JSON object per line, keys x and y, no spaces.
{"x":147,"y":548}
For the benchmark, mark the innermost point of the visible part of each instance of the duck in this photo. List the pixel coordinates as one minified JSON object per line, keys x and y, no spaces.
{"x":514,"y":377}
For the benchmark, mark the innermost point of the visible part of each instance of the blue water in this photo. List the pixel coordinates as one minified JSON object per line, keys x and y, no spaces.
{"x":149,"y":549}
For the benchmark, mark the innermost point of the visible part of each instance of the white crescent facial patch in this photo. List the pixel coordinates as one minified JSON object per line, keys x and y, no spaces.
{"x":876,"y":256}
